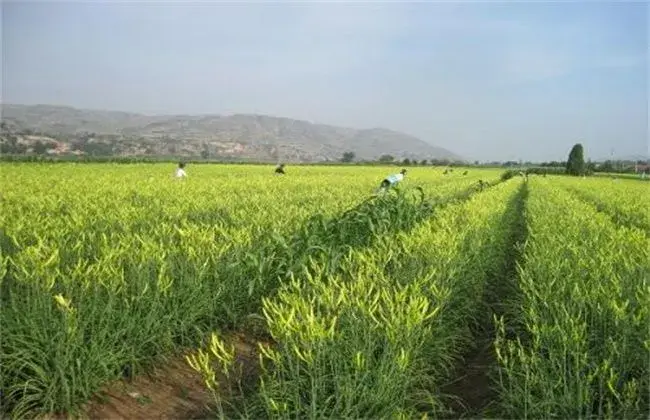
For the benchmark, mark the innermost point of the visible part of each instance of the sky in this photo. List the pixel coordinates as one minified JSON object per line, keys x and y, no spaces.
{"x":486,"y":80}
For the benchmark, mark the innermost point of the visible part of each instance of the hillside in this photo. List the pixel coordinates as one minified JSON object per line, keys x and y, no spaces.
{"x":257,"y":137}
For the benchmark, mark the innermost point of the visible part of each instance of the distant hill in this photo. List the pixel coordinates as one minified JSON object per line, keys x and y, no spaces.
{"x":257,"y":137}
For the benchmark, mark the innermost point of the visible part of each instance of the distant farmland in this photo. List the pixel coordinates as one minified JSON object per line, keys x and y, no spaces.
{"x":524,"y":298}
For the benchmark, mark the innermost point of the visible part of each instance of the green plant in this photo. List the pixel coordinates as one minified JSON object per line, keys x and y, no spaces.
{"x":583,"y":344}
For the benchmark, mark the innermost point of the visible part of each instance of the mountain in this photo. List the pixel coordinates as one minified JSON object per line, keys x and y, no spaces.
{"x":258,"y":137}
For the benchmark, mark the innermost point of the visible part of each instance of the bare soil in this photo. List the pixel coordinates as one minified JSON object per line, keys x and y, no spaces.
{"x":472,"y":390}
{"x":172,"y":390}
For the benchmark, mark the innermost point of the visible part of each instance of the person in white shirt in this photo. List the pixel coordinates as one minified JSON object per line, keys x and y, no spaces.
{"x":180,"y":172}
{"x":392,"y":180}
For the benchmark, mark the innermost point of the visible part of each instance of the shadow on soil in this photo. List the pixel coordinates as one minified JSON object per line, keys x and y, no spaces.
{"x":473,"y":394}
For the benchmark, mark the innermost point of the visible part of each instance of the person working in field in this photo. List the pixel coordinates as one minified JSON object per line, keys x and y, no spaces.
{"x":279,"y":170}
{"x":392,"y":180}
{"x":180,"y":171}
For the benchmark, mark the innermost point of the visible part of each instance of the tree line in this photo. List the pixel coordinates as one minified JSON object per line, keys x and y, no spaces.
{"x":104,"y":148}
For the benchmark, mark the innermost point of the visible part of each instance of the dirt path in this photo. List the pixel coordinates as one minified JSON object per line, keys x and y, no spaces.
{"x":171,"y":391}
{"x":472,"y":387}
{"x":473,"y":391}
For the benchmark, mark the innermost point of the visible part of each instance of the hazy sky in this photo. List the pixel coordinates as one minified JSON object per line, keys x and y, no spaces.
{"x":486,"y":80}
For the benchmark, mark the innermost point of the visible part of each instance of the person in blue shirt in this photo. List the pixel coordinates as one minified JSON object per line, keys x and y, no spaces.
{"x":392,"y":180}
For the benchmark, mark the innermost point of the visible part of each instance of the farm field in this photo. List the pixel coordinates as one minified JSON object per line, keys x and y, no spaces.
{"x":370,"y":306}
{"x":623,"y":199}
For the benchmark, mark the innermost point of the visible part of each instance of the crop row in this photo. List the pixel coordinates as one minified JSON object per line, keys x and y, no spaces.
{"x":584,"y":343}
{"x":622,"y":199}
{"x":104,"y":268}
{"x":377,"y":334}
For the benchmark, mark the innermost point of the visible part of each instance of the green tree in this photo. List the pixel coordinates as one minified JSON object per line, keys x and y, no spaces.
{"x":348,"y":157}
{"x":406,"y":162}
{"x":590,"y":168}
{"x":205,"y":153}
{"x":98,"y":149}
{"x":39,"y":147}
{"x":386,"y":158}
{"x":576,"y":163}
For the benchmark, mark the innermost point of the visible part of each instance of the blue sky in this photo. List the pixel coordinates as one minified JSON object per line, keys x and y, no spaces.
{"x":486,"y":80}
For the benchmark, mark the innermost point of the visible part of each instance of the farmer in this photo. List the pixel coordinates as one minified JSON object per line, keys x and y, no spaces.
{"x":280,"y":169}
{"x":392,"y":180}
{"x":180,"y":172}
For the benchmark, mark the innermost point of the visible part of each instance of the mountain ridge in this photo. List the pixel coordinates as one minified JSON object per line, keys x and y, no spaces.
{"x":245,"y":135}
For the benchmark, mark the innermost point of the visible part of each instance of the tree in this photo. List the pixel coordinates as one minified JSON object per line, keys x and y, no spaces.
{"x":423,"y":162}
{"x":98,"y":149}
{"x":406,"y":162}
{"x":386,"y":158}
{"x":348,"y":157}
{"x":40,"y":148}
{"x":590,"y":168}
{"x":6,"y":149}
{"x":576,"y":163}
{"x":205,"y":153}
{"x":414,"y":162}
